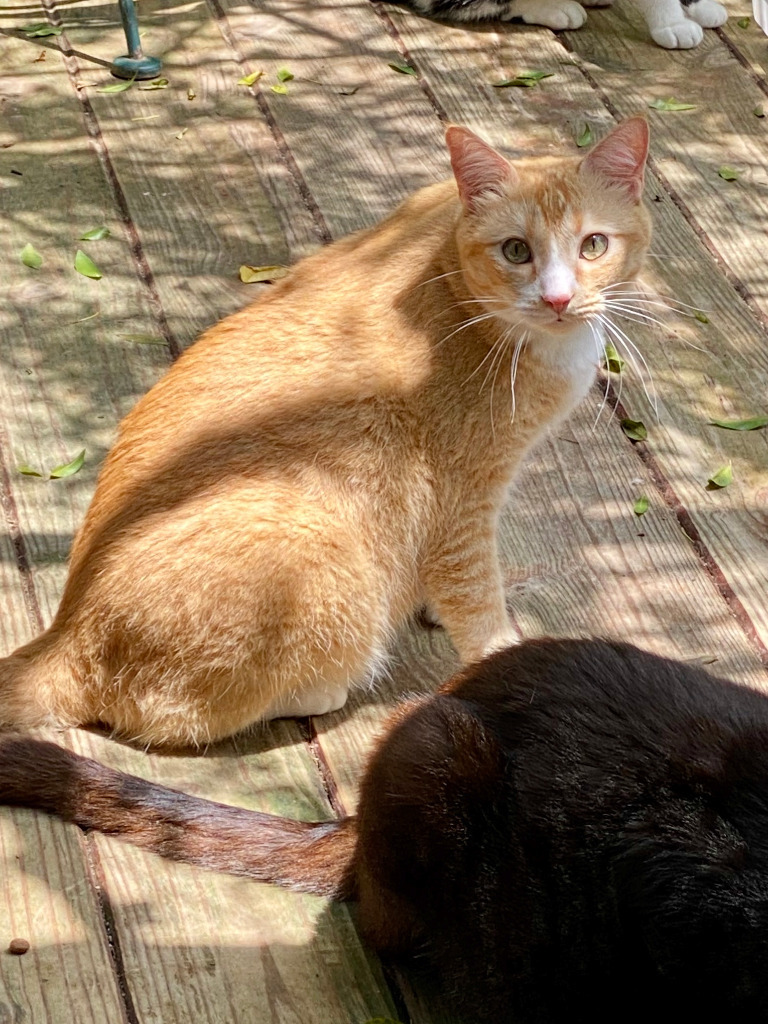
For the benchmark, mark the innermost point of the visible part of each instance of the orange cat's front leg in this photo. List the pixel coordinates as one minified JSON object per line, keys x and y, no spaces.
{"x":462,"y":584}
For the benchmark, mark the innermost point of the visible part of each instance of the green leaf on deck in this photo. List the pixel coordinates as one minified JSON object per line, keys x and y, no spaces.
{"x":28,"y":470}
{"x":30,"y":257}
{"x":671,"y":104}
{"x":759,"y":110}
{"x":191,"y":94}
{"x":755,"y":423}
{"x":403,"y":69}
{"x":728,"y":173}
{"x":117,"y":86}
{"x":95,"y":234}
{"x":744,"y":22}
{"x":523,"y":80}
{"x":156,"y":83}
{"x":284,"y":75}
{"x":69,"y":468}
{"x":612,"y":360}
{"x":281,"y":90}
{"x":250,"y":79}
{"x":634,"y":429}
{"x":586,"y":138}
{"x":181,"y":134}
{"x":641,"y":506}
{"x":84,"y":265}
{"x":258,"y":275}
{"x":701,"y":317}
{"x":40,"y":29}
{"x":721,"y":478}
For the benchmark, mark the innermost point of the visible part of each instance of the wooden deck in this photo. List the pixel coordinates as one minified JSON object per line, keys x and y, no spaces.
{"x":198,"y":178}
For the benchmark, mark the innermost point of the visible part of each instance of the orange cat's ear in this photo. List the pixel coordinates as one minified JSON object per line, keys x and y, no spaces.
{"x":477,"y":167}
{"x":620,"y":157}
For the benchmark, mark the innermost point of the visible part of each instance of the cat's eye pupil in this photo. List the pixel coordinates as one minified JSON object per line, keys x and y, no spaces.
{"x":515,"y":250}
{"x":593,"y":246}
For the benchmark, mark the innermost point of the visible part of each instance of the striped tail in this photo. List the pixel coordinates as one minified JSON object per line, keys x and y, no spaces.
{"x":312,"y":857}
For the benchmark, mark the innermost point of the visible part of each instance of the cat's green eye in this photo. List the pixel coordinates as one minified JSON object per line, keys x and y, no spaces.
{"x":515,"y":250}
{"x":594,"y":246}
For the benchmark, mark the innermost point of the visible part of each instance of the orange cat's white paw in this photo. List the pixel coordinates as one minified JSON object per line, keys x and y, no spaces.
{"x":320,"y":701}
{"x":557,"y":14}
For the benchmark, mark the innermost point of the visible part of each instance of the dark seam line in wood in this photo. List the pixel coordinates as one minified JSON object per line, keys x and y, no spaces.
{"x":731,"y":277}
{"x":689,"y":528}
{"x":284,"y":150}
{"x":312,"y":740}
{"x":99,"y":888}
{"x":736,"y":53}
{"x":23,"y":562}
{"x":93,"y":129}
{"x":423,"y":81}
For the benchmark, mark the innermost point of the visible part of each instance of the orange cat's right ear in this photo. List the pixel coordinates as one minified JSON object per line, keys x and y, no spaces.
{"x":477,"y":167}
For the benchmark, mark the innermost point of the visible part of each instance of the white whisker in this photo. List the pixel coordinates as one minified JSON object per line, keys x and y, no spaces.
{"x":600,"y":346}
{"x":513,"y":370}
{"x":439,"y":277}
{"x":467,"y":323}
{"x":630,"y":313}
{"x":664,"y":302}
{"x":625,"y":340}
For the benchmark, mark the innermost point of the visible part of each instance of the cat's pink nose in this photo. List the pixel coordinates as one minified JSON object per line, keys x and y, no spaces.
{"x":558,"y":302}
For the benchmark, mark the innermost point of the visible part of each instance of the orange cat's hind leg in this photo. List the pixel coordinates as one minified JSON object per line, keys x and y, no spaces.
{"x":39,"y":687}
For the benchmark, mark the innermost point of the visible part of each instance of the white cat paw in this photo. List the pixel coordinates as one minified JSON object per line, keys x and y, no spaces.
{"x":557,"y":14}
{"x":681,"y":36}
{"x":707,"y":13}
{"x":320,"y":701}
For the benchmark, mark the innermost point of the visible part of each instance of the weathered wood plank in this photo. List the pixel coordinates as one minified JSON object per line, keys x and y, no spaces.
{"x":360,"y":152}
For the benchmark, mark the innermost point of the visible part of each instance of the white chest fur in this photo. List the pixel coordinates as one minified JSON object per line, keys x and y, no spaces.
{"x":574,"y":355}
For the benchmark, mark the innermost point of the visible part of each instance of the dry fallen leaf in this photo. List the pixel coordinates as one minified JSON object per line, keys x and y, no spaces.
{"x":258,"y":275}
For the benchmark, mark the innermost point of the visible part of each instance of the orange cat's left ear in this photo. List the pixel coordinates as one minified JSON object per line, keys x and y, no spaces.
{"x":477,"y":167}
{"x":620,"y":157}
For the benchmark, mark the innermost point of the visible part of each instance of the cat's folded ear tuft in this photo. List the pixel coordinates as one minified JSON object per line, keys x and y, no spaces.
{"x":477,"y":167}
{"x":620,"y":157}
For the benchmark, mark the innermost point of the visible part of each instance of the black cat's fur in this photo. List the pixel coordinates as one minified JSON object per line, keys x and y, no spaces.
{"x":573,"y":831}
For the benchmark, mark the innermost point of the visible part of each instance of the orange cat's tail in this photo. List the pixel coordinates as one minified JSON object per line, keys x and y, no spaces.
{"x":305,"y":856}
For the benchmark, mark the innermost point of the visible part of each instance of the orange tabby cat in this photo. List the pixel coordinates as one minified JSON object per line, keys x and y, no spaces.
{"x":323,"y":462}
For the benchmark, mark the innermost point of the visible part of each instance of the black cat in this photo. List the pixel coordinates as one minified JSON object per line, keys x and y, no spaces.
{"x":574,"y":831}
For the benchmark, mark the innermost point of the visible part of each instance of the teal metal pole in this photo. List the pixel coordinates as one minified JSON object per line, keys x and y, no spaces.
{"x":135,"y":65}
